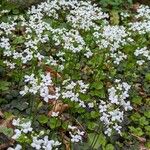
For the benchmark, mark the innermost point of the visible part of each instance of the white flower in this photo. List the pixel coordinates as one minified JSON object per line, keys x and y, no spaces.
{"x":16,"y":122}
{"x":105,"y":118}
{"x":72,"y":127}
{"x":7,"y":53}
{"x":70,"y":86}
{"x":9,"y":64}
{"x":88,"y":54}
{"x":17,"y":134}
{"x":29,"y":79}
{"x":26,"y":127}
{"x":4,"y":43}
{"x":39,"y":56}
{"x":116,"y":115}
{"x":25,"y":91}
{"x":102,"y":108}
{"x":37,"y":144}
{"x":18,"y":147}
{"x":55,"y":114}
{"x":140,"y":62}
{"x":117,"y":128}
{"x":108,"y":131}
{"x":46,"y":79}
{"x":91,"y":105}
{"x":127,"y":105}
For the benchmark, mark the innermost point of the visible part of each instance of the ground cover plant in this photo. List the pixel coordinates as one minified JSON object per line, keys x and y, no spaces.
{"x":74,"y":76}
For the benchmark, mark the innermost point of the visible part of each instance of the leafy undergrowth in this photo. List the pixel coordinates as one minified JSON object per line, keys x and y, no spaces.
{"x":74,"y":77}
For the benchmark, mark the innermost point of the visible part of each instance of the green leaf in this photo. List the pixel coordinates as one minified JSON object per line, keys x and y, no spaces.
{"x":147,"y":128}
{"x":4,"y":85}
{"x":15,"y":11}
{"x":99,"y":93}
{"x":42,"y":119}
{"x":54,"y":123}
{"x":18,"y":40}
{"x":20,"y":105}
{"x":147,"y":114}
{"x":65,"y":125}
{"x":135,"y":117}
{"x":7,"y":131}
{"x":91,"y":125}
{"x":137,"y":131}
{"x":99,"y":139}
{"x":148,"y":144}
{"x":147,"y":76}
{"x":94,"y":114}
{"x":97,"y":85}
{"x":24,"y":139}
{"x":143,"y":121}
{"x":109,"y":147}
{"x":2,"y":100}
{"x":137,"y":100}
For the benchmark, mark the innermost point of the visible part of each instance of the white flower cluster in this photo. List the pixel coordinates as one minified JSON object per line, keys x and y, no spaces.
{"x":143,"y":12}
{"x":84,"y":15}
{"x":118,"y":57}
{"x":9,"y":64}
{"x":7,"y":27}
{"x":72,"y":40}
{"x":22,"y":126}
{"x":113,"y":38}
{"x":69,"y":39}
{"x":4,"y":43}
{"x":143,"y":25}
{"x":41,"y":86}
{"x":111,"y":111}
{"x":76,"y":134}
{"x":124,"y":15}
{"x":44,"y":144}
{"x":143,"y":52}
{"x":81,"y":14}
{"x":72,"y":90}
{"x":25,"y":56}
{"x":140,"y":27}
{"x":35,"y":24}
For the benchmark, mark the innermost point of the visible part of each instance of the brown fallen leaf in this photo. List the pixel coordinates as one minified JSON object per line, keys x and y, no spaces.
{"x":135,"y":6}
{"x":58,"y":106}
{"x":142,"y":147}
{"x":1,"y":114}
{"x":5,"y":141}
{"x":140,"y":139}
{"x":51,"y":89}
{"x":52,"y":72}
{"x":7,"y":122}
{"x":66,"y":141}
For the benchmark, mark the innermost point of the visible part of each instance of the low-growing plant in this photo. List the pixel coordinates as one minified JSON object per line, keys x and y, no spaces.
{"x":74,"y":77}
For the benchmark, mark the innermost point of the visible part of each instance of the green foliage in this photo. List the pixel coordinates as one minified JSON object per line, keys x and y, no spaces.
{"x":115,"y":3}
{"x":7,"y":131}
{"x":54,"y":123}
{"x":98,"y":70}
{"x":109,"y":147}
{"x":137,"y":131}
{"x":4,"y":85}
{"x":97,"y":140}
{"x":42,"y":119}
